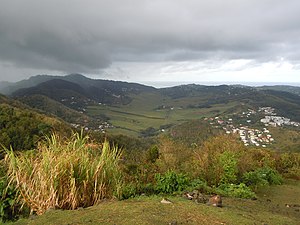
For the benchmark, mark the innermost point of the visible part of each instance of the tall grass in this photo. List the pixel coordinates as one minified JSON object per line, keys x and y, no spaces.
{"x":65,"y":174}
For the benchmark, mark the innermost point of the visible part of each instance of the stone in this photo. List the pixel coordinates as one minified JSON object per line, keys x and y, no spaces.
{"x":166,"y":201}
{"x":201,"y":199}
{"x":195,"y":193}
{"x":215,"y":201}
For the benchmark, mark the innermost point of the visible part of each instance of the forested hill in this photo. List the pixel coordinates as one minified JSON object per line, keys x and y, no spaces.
{"x":21,"y":127}
{"x":136,"y":108}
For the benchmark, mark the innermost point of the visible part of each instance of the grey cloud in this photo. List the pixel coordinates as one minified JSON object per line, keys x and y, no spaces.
{"x":87,"y":36}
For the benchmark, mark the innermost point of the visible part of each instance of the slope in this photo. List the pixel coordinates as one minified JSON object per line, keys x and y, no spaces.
{"x":21,"y":126}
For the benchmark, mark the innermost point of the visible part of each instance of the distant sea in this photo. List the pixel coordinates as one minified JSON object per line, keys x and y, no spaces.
{"x":162,"y":84}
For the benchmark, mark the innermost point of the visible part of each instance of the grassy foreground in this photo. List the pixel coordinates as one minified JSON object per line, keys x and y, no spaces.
{"x":269,"y":208}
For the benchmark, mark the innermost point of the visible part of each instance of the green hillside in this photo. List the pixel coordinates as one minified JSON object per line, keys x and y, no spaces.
{"x":133,"y":109}
{"x":286,"y":88}
{"x":55,"y":108}
{"x":21,"y":126}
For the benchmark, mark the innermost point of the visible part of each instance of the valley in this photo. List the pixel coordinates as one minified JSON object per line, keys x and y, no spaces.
{"x":107,"y":140}
{"x":150,"y":112}
{"x":136,"y":110}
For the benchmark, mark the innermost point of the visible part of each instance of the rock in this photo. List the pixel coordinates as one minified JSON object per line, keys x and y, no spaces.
{"x":188,"y":196}
{"x":173,"y":223}
{"x":215,"y":201}
{"x":196,"y":196}
{"x":195,"y":193}
{"x":165,"y":201}
{"x":201,"y":199}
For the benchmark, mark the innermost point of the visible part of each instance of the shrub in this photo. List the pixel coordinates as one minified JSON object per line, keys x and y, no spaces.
{"x":289,"y":165}
{"x":254,"y":179}
{"x":229,"y":163}
{"x":173,"y":156}
{"x":129,"y":190}
{"x":262,"y":176}
{"x":170,"y":182}
{"x":200,"y":185}
{"x":235,"y":190}
{"x":255,"y":158}
{"x":271,"y":175}
{"x":10,"y":208}
{"x":152,"y":154}
{"x":208,"y":160}
{"x":65,"y":175}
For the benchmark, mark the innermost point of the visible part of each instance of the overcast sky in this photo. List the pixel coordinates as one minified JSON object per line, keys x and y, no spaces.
{"x":152,"y":40}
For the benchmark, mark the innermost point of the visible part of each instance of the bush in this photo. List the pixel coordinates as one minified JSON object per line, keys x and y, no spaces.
{"x":65,"y":175}
{"x":289,"y":165}
{"x":10,"y":209}
{"x":235,"y":190}
{"x":129,"y":191}
{"x":170,"y":182}
{"x":152,"y":154}
{"x":254,"y":179}
{"x":173,"y":156}
{"x":200,"y":185}
{"x":229,"y":163}
{"x":262,"y":176}
{"x":217,"y":160}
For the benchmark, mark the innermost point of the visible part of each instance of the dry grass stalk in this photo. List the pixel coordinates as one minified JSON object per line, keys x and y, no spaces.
{"x":65,"y":175}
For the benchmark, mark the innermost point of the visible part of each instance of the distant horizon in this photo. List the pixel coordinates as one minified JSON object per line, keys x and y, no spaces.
{"x":165,"y":84}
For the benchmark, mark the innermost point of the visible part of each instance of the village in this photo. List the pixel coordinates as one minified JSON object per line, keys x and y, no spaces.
{"x":252,"y":125}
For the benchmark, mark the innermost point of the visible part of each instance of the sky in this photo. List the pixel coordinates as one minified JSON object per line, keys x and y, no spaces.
{"x":152,"y":41}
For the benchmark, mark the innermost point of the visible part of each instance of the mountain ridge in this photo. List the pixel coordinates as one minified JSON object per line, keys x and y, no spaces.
{"x":142,"y":107}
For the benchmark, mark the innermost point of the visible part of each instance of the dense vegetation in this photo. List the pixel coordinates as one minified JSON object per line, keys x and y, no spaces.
{"x":78,"y":172}
{"x":22,"y":128}
{"x":46,"y":167}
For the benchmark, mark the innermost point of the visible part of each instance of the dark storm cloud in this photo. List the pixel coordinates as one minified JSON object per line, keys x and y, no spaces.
{"x":86,"y":36}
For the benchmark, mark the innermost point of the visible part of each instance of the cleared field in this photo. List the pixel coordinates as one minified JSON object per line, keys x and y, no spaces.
{"x":153,"y":110}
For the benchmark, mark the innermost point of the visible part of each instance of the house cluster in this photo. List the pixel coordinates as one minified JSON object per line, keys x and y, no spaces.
{"x":102,"y":127}
{"x":271,"y":118}
{"x":243,"y":124}
{"x":77,"y":104}
{"x":105,"y":125}
{"x":255,"y":137}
